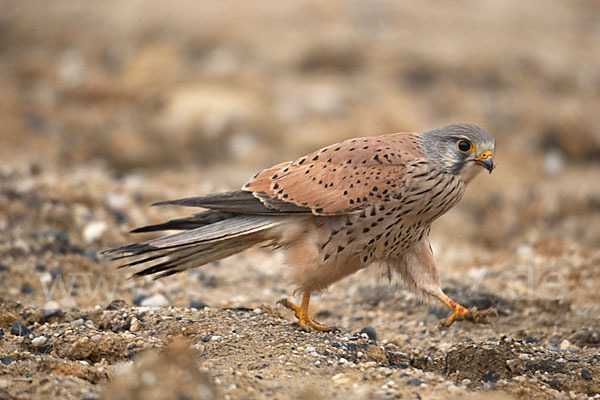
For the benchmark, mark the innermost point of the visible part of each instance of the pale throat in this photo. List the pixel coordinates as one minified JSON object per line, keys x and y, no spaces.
{"x":470,"y":171}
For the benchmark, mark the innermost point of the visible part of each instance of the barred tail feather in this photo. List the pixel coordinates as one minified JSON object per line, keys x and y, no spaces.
{"x":198,"y":246}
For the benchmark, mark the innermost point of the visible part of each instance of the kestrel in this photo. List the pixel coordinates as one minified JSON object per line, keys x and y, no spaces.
{"x":335,"y":211}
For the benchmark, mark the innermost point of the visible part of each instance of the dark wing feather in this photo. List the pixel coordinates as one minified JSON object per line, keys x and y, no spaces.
{"x":184,"y":223}
{"x":238,"y":201}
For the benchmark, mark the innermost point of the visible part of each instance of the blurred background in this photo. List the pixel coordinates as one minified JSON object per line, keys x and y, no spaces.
{"x":108,"y":106}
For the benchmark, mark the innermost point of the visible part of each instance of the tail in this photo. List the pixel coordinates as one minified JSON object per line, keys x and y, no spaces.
{"x":205,"y":237}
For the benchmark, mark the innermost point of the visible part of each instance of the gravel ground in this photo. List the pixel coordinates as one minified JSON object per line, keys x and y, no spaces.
{"x":108,"y":108}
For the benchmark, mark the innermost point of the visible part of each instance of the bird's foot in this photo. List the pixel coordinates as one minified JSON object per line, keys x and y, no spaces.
{"x":472,"y":315}
{"x":304,"y":320}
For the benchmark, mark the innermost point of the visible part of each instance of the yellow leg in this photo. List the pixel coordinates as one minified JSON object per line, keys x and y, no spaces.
{"x":460,"y":313}
{"x":304,"y":320}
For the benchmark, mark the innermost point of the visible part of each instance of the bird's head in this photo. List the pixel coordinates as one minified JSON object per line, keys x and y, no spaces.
{"x":461,"y":149}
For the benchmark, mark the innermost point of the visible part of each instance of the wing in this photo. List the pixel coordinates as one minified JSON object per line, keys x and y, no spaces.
{"x":339,"y":178}
{"x":238,"y":202}
{"x":193,"y":221}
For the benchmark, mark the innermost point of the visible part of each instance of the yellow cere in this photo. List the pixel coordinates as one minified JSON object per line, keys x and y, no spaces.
{"x":485,"y":155}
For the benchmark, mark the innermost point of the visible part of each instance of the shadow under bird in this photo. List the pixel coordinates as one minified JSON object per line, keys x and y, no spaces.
{"x":335,"y":211}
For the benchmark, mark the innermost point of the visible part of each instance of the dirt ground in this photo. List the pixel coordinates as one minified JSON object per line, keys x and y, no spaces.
{"x":107,"y":107}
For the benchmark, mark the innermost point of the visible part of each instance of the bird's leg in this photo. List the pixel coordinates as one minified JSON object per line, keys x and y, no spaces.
{"x":460,"y":313}
{"x":304,"y":320}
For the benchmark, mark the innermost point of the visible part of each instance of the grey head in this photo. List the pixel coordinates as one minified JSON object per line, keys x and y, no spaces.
{"x":460,"y":149}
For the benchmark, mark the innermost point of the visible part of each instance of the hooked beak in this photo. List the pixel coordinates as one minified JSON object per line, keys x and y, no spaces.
{"x":486,"y":161}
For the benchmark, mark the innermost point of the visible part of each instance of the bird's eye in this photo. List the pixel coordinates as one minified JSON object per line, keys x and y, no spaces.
{"x":465,"y":146}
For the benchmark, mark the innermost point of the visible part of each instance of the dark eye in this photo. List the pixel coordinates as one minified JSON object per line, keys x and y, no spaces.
{"x":464,"y":146}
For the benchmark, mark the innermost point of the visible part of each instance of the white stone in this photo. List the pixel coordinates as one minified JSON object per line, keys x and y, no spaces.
{"x":156,"y":300}
{"x":554,"y":162}
{"x":77,"y":322}
{"x":94,"y":230}
{"x":51,"y":305}
{"x":340,"y":379}
{"x":135,"y":325}
{"x":564,"y":345}
{"x":39,"y":341}
{"x":117,"y":201}
{"x":45,"y":277}
{"x":148,"y":378}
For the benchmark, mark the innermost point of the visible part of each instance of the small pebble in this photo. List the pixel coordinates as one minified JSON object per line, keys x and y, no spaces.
{"x":524,"y":356}
{"x":564,"y":345}
{"x":7,"y":360}
{"x":340,"y":379}
{"x":92,"y":255}
{"x":198,"y":304}
{"x":156,"y":300}
{"x":96,"y":337}
{"x":49,"y":313}
{"x":56,"y":272}
{"x":19,"y":329}
{"x":26,"y":288}
{"x":138,"y":298}
{"x":94,"y":230}
{"x":77,"y":322}
{"x":39,"y":341}
{"x":585,"y":374}
{"x":135,"y":325}
{"x":370,"y":332}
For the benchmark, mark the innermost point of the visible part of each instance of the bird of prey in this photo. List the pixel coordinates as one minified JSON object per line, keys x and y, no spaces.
{"x":335,"y":211}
